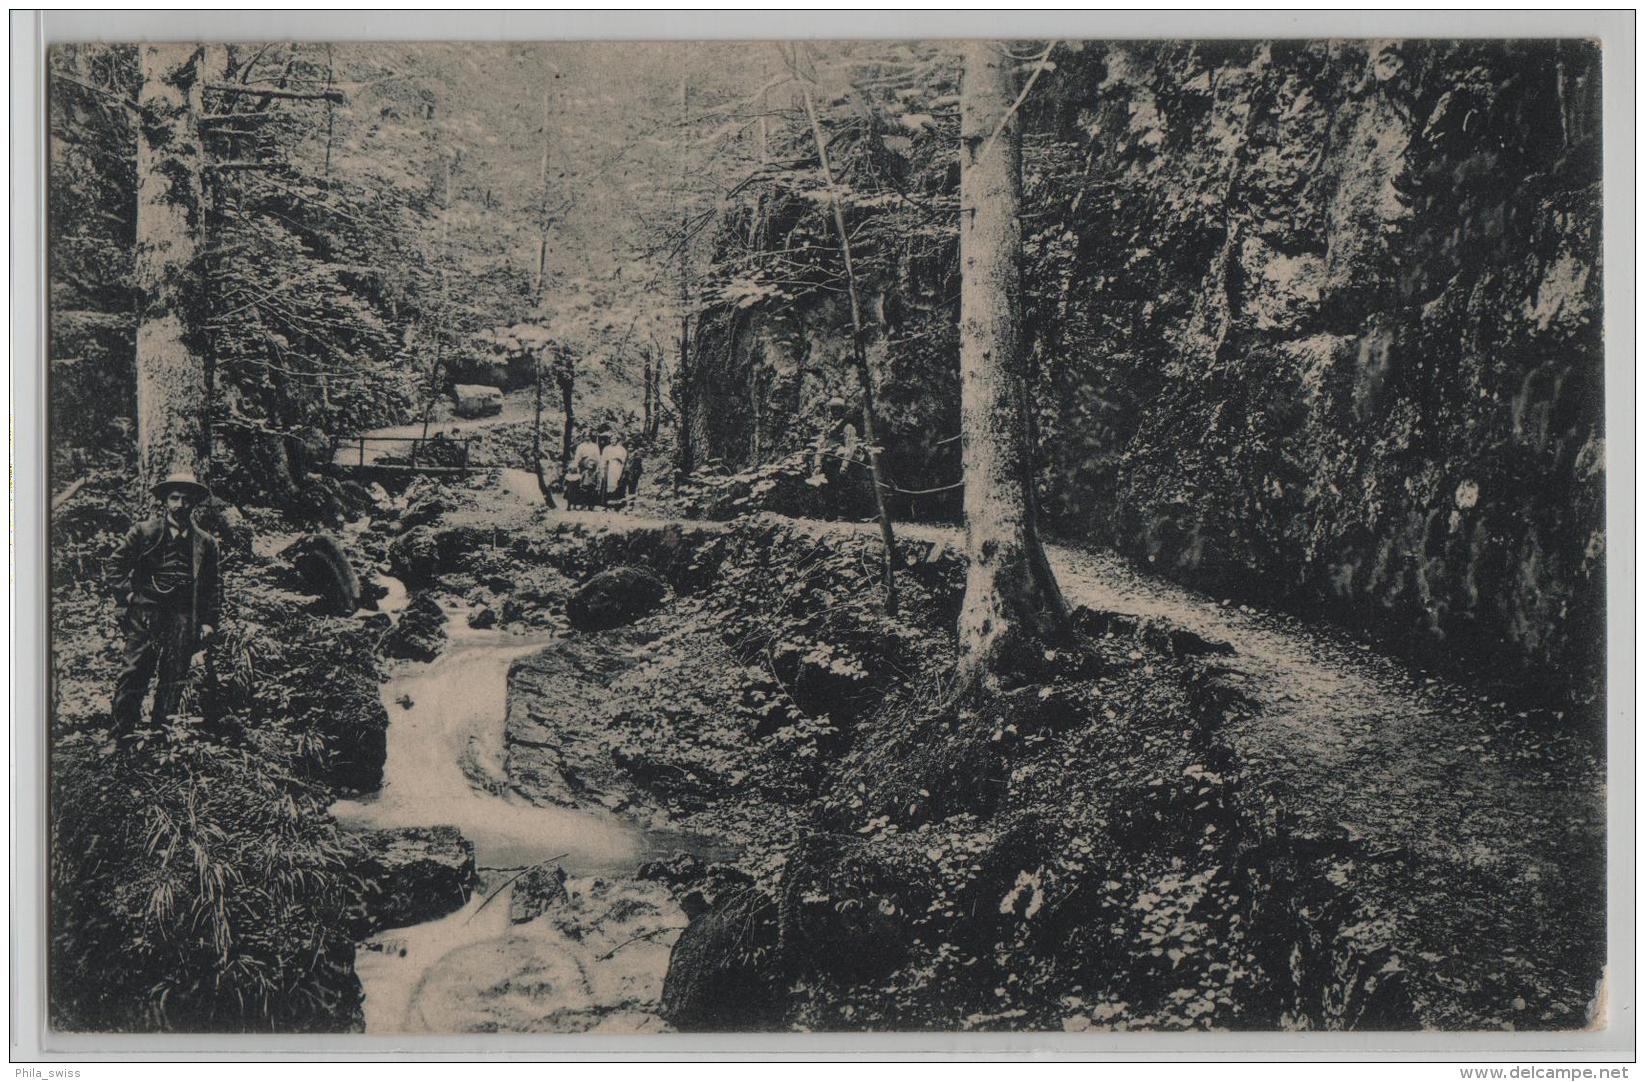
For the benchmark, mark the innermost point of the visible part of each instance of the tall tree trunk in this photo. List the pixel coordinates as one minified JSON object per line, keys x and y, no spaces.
{"x":540,"y":279}
{"x":685,"y":398}
{"x":656,"y":396}
{"x":445,"y":308}
{"x":171,"y":373}
{"x":1012,"y":603}
{"x":756,"y":414}
{"x":684,"y":393}
{"x":859,"y":353}
{"x":537,"y":412}
{"x":645,"y":394}
{"x":566,"y":378}
{"x":331,"y":117}
{"x":543,"y":484}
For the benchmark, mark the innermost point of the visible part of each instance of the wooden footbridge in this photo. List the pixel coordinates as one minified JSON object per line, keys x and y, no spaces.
{"x":439,"y":455}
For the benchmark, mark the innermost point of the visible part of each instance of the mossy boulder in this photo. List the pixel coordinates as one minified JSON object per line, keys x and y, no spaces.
{"x":615,"y":597}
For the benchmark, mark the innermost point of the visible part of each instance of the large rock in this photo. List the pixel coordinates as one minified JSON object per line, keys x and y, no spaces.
{"x":490,"y":371}
{"x":687,"y":557}
{"x":455,"y":544}
{"x":838,"y":677}
{"x":1332,"y":462}
{"x":328,"y":673}
{"x":724,"y":972}
{"x":319,"y":560}
{"x":849,"y":906}
{"x":540,"y":889}
{"x":424,"y":511}
{"x":421,"y":632}
{"x":615,"y":597}
{"x":414,"y":557}
{"x":422,"y":553}
{"x":412,"y":875}
{"x":557,"y":749}
{"x":477,"y":400}
{"x":356,"y":496}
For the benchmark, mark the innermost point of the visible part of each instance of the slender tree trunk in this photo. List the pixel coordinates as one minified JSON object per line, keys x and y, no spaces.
{"x":538,"y":285}
{"x":541,"y":277}
{"x":543,"y":484}
{"x":537,"y":413}
{"x":445,"y":309}
{"x":171,"y":374}
{"x":756,"y":414}
{"x":685,"y":398}
{"x":565,"y":377}
{"x":331,"y":117}
{"x":656,"y":392}
{"x":1012,"y":602}
{"x":765,"y":106}
{"x":645,"y":392}
{"x":433,"y":382}
{"x":213,"y":67}
{"x":859,"y":353}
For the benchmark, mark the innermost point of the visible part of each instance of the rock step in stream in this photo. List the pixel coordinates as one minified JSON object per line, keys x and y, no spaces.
{"x":552,"y":933}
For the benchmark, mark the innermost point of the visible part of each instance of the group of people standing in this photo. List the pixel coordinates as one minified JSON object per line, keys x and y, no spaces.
{"x":601,"y":472}
{"x":166,"y":569}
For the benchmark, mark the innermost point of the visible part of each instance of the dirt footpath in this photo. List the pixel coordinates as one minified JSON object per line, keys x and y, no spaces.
{"x":1471,"y":823}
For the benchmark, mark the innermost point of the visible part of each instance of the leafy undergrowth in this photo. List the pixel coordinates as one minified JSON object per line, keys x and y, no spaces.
{"x":798,"y":484}
{"x":1074,"y":853}
{"x":198,"y":881}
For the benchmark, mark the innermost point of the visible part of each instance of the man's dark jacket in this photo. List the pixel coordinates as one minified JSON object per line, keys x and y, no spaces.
{"x":140,"y":555}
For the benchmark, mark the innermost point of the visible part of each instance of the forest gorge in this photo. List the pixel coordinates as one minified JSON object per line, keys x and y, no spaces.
{"x":1204,"y":631}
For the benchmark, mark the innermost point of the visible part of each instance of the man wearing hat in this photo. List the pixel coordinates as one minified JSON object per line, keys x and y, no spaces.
{"x":167,"y":579}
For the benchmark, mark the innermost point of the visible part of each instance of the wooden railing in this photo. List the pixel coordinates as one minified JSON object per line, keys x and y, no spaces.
{"x":424,"y":454}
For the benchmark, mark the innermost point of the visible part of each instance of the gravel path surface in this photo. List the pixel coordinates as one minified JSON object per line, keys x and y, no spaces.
{"x":1476,"y":829}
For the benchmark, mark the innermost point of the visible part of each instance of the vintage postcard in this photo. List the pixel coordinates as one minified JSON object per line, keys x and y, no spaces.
{"x":969,"y":535}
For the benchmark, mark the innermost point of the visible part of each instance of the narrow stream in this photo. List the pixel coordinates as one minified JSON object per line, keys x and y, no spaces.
{"x":445,"y":767}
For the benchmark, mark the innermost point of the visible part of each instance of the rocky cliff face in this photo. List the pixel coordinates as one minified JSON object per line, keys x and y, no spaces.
{"x":1331,"y":329}
{"x":1316,"y":322}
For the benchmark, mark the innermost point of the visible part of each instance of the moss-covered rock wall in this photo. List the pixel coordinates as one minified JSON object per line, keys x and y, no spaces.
{"x":1333,"y":323}
{"x":1311,"y":323}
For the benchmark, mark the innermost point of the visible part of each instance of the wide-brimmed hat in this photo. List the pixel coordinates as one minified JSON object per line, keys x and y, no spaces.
{"x":181,"y":481}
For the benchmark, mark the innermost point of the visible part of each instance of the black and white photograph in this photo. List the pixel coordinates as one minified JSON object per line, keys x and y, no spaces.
{"x":954,"y":535}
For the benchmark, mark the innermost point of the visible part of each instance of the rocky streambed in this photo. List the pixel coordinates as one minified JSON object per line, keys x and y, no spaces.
{"x":495,"y":912}
{"x":1112,"y":847}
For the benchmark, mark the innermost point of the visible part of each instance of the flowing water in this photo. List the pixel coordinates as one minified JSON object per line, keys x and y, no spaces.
{"x":445,"y":765}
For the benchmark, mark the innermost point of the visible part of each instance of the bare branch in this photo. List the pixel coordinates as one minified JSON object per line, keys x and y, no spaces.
{"x":1005,"y":118}
{"x":113,"y":96}
{"x":336,"y":96}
